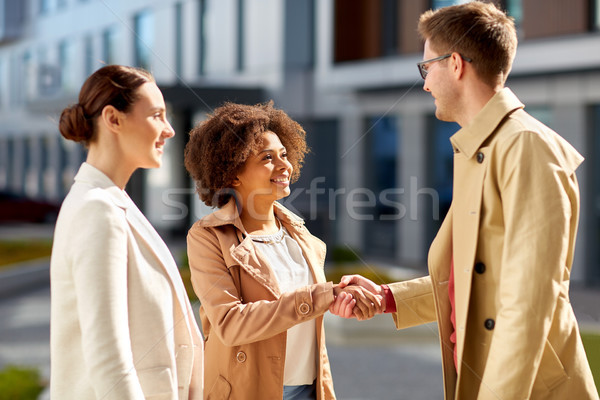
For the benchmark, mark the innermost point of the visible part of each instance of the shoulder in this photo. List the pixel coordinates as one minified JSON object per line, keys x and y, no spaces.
{"x":87,"y":206}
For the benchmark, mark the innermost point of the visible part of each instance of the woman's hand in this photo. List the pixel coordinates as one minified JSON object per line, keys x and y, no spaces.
{"x":355,"y":301}
{"x":343,"y":305}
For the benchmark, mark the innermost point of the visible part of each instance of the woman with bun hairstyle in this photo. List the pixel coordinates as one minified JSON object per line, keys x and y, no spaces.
{"x":256,"y":269}
{"x":121,"y":324}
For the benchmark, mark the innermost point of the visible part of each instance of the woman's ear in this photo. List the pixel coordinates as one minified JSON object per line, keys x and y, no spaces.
{"x":112,"y":118}
{"x":236,"y":182}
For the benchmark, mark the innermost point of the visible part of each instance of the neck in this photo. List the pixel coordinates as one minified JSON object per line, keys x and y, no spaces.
{"x":258,"y":218}
{"x":476,"y":98}
{"x":110,"y":162}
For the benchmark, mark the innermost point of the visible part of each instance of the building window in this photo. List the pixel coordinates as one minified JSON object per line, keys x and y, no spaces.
{"x":144,"y":39}
{"x":595,"y":11}
{"x":66,"y":56}
{"x":367,"y":29}
{"x":357,"y":27}
{"x":381,"y":198}
{"x":592,"y":273}
{"x":241,"y":30}
{"x":514,"y":8}
{"x":178,"y":40}
{"x":440,"y":172}
{"x":44,"y":6}
{"x":89,"y":55}
{"x":201,"y":36}
{"x":435,"y":4}
{"x":109,"y":46}
{"x":220,"y":37}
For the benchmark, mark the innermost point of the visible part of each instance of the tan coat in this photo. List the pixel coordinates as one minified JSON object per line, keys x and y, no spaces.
{"x":511,"y":232}
{"x":244,"y":315}
{"x":122,"y":327}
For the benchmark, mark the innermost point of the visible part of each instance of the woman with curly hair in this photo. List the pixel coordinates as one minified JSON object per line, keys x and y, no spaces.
{"x":256,"y":269}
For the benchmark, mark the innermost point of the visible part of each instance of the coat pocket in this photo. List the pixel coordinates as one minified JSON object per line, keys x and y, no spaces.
{"x":220,"y":390}
{"x":551,"y":371}
{"x":157,"y":383}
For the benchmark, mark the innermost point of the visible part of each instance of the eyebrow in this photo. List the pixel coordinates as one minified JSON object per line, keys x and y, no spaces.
{"x":270,"y":150}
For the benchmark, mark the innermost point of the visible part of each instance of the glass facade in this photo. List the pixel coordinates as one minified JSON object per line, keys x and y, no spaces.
{"x":380,"y":195}
{"x":109,"y":46}
{"x":440,"y":166}
{"x":592,"y":263}
{"x":144,"y":39}
{"x":67,"y":62}
{"x":445,"y":3}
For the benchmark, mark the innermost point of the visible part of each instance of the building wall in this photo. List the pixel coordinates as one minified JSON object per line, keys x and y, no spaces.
{"x":344,"y":66}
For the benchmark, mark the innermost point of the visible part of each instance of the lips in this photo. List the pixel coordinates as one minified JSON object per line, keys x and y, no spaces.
{"x":159,"y":146}
{"x":281,"y":180}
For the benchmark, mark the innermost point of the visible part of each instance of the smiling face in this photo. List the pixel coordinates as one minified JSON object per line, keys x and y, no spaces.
{"x":145,"y":128}
{"x":265,"y":176}
{"x":439,"y":82}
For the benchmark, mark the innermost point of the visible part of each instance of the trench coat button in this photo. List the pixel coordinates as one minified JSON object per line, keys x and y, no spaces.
{"x":480,"y":268}
{"x":241,"y":356}
{"x":480,"y":157}
{"x":304,"y":308}
{"x":489,"y":324}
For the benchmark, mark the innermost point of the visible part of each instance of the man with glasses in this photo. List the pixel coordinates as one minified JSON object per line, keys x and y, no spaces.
{"x":500,"y":263}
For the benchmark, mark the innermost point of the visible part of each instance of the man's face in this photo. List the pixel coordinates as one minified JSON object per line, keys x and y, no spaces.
{"x":440,"y":83}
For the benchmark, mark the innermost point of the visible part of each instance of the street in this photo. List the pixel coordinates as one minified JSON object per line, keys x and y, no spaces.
{"x":366,"y":369}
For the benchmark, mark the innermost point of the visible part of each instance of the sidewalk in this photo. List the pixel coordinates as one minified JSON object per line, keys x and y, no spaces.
{"x":370,"y":359}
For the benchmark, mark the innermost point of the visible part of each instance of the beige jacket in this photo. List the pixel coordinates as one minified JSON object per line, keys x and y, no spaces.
{"x":121,"y":325}
{"x":244,"y":315}
{"x":511,"y":232}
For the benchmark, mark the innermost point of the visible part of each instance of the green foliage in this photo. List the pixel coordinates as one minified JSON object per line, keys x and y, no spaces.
{"x":344,"y":255}
{"x":15,"y":251}
{"x":591,"y":342}
{"x":334,"y":273}
{"x":20,"y":383}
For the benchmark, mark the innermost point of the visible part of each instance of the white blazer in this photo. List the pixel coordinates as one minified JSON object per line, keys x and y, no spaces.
{"x":121,"y":324}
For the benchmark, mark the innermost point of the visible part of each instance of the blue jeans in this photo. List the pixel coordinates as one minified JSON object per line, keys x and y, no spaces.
{"x":302,"y":392}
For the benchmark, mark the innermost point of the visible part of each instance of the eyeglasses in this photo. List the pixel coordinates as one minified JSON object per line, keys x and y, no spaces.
{"x":423,"y":68}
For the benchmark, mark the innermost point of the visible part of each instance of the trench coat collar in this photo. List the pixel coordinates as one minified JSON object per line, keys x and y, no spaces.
{"x":229,"y":214}
{"x":470,"y":138}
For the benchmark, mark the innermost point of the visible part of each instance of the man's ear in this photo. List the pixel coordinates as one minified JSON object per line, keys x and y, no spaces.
{"x":112,"y":118}
{"x":458,"y":65}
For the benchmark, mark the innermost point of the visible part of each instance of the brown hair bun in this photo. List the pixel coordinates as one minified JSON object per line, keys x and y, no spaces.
{"x":74,"y":125}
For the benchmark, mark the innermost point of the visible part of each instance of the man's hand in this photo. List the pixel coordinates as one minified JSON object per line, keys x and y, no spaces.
{"x":361,"y":281}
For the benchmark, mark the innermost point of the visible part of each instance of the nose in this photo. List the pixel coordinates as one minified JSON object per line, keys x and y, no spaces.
{"x":168,"y":132}
{"x":425,"y":87}
{"x":284,"y":164}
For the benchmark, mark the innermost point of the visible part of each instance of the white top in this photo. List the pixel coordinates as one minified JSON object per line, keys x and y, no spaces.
{"x":292,"y":272}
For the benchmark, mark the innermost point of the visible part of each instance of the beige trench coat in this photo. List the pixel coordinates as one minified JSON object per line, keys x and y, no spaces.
{"x":244,"y":315}
{"x":511,"y":232}
{"x":121,"y":326}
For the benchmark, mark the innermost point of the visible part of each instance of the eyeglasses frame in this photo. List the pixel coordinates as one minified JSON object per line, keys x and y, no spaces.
{"x":424,"y":72}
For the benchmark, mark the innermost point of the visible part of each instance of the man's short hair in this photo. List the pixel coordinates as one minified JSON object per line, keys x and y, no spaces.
{"x":475,"y":30}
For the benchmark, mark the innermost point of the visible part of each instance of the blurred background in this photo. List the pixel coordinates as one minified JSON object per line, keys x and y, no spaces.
{"x":375,"y":187}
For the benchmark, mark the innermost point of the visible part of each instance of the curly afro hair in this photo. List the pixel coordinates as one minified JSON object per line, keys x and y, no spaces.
{"x":220,"y":145}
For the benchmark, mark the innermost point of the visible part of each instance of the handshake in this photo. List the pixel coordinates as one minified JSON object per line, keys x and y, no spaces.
{"x":357,"y":297}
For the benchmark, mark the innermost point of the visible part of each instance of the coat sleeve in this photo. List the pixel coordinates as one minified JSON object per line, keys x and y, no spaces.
{"x":98,"y":259}
{"x":414,"y":302}
{"x":537,"y":196}
{"x":235,"y":322}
